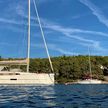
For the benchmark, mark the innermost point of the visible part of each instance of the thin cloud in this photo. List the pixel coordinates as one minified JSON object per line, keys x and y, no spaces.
{"x":80,"y":38}
{"x":3,"y":20}
{"x":87,"y":42}
{"x":61,"y":50}
{"x":96,"y":11}
{"x":16,"y":23}
{"x":65,"y":51}
{"x":59,"y":28}
{"x":21,"y":11}
{"x":54,"y":48}
{"x":69,"y":32}
{"x":96,"y":46}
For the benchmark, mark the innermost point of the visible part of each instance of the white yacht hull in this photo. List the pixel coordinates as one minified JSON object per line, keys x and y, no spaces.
{"x":22,"y":78}
{"x":90,"y":81}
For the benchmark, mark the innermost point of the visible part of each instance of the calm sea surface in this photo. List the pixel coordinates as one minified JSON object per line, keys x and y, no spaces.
{"x":57,"y":96}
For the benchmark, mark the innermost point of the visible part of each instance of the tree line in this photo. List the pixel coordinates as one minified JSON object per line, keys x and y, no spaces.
{"x":70,"y":68}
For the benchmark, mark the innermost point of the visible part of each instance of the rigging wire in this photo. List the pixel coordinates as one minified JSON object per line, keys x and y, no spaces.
{"x":43,"y":36}
{"x":89,"y":62}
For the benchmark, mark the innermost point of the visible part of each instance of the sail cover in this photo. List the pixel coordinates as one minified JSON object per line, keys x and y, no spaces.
{"x":14,"y":62}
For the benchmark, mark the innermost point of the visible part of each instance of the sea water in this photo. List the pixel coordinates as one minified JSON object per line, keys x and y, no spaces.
{"x":57,"y":96}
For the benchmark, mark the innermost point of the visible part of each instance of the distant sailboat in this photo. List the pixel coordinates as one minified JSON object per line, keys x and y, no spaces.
{"x":26,"y":78}
{"x":90,"y":80}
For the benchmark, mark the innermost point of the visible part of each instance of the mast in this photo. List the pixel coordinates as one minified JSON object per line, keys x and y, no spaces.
{"x":28,"y":44}
{"x":89,"y":62}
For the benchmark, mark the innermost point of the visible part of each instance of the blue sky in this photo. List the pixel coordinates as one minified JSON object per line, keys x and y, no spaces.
{"x":70,"y":27}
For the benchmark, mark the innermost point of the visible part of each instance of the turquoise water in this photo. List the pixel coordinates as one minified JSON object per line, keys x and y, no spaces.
{"x":57,"y":96}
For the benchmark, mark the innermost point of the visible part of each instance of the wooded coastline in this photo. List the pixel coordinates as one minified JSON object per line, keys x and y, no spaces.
{"x":69,"y":69}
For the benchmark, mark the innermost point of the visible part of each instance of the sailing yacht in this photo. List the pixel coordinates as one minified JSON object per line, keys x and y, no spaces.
{"x":90,"y":80}
{"x":15,"y":76}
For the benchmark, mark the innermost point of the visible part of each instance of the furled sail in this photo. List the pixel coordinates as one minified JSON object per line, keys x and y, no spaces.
{"x":14,"y":62}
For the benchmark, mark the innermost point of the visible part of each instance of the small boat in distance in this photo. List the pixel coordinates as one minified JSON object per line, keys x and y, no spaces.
{"x":89,"y":80}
